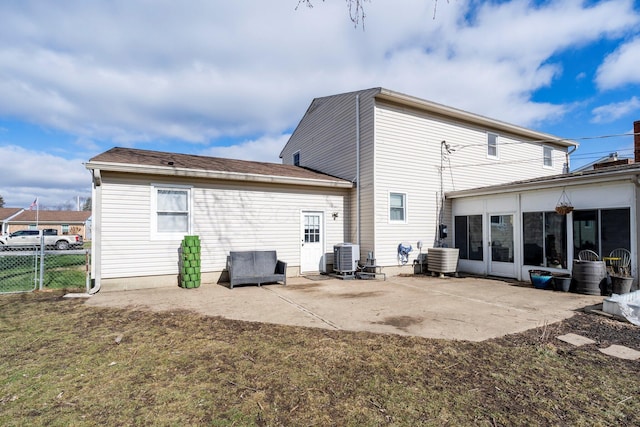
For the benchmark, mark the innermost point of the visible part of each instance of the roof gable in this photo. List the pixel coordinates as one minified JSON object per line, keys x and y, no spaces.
{"x":6,"y":213}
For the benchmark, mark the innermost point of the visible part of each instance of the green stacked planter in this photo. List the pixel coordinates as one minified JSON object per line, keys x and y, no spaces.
{"x":190,"y":262}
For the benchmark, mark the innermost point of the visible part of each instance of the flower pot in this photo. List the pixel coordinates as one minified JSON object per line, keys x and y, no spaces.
{"x":621,"y":285}
{"x":540,"y":279}
{"x":562,"y":283}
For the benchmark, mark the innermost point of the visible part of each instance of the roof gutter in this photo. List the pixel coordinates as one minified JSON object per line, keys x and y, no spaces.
{"x":206,"y":174}
{"x":557,"y":181}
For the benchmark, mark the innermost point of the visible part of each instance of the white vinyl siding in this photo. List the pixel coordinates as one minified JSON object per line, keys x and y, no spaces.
{"x":407,"y":157}
{"x":326,"y":140}
{"x":225,"y":215}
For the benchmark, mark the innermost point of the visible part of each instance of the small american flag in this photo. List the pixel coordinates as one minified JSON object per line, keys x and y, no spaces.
{"x":34,"y":204}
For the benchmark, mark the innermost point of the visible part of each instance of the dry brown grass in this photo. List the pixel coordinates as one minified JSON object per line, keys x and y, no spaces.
{"x":62,"y":363}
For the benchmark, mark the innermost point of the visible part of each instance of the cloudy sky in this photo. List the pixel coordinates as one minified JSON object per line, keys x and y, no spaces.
{"x":233,"y":78}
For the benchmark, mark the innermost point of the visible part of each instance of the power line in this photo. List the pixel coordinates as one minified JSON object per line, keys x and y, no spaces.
{"x":556,"y":140}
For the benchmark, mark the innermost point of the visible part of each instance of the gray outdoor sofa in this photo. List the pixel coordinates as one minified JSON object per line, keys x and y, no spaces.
{"x":255,"y":267}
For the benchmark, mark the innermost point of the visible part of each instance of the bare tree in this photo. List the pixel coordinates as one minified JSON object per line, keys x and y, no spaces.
{"x":1,"y":201}
{"x":87,"y":204}
{"x":356,"y":9}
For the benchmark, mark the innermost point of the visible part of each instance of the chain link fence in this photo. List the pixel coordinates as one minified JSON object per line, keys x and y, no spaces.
{"x":28,"y":269}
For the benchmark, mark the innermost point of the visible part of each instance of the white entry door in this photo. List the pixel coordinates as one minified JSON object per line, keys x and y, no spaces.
{"x":501,"y":245}
{"x":312,"y":242}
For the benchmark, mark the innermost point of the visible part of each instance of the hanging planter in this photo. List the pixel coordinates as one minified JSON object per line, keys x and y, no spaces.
{"x":564,"y":206}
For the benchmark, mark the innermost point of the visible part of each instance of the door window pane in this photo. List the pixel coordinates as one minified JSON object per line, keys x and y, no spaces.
{"x":311,"y":228}
{"x":555,"y":236}
{"x":502,"y":238}
{"x":475,"y":238}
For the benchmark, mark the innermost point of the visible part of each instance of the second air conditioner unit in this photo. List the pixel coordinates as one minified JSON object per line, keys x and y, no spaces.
{"x":345,"y":257}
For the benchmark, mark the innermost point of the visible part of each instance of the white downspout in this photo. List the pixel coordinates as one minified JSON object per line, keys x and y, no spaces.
{"x":358,"y":169}
{"x":96,"y":231}
{"x":567,"y":154}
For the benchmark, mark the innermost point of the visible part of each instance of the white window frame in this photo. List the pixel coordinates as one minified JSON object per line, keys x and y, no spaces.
{"x":293,"y":158}
{"x":544,"y":156}
{"x":495,"y":146}
{"x":169,"y":235}
{"x":405,"y":210}
{"x":64,"y":229}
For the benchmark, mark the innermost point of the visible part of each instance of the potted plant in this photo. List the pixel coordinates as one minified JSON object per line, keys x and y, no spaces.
{"x":564,"y":205}
{"x":621,"y":280}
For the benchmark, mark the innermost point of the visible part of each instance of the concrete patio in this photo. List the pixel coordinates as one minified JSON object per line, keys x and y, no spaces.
{"x":473,"y":309}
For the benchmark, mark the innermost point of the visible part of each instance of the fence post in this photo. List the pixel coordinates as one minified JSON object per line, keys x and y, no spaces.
{"x":87,"y":270}
{"x":41,"y":261}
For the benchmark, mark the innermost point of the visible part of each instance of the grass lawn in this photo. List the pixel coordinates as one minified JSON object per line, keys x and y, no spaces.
{"x":62,"y":363}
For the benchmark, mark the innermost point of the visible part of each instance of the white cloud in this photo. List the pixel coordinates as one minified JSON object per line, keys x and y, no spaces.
{"x":131,"y":71}
{"x":264,"y":149}
{"x":614,"y":111}
{"x":621,"y":67}
{"x":27,"y":174}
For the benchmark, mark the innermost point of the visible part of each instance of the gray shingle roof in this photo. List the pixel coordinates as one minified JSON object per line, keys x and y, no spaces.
{"x":130,"y":156}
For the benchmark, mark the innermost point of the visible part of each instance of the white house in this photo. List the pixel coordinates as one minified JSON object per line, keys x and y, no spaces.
{"x":404,"y":152}
{"x":369,"y":167}
{"x":145,"y":202}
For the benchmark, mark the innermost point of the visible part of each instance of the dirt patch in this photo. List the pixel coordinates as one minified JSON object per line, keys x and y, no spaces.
{"x":351,"y":295}
{"x":306,"y":287}
{"x":400,"y":322}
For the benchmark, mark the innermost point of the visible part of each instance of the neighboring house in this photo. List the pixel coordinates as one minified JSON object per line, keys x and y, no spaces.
{"x":66,"y":222}
{"x":403,"y":153}
{"x":604,"y":162}
{"x":368,"y":167}
{"x":6,"y":214}
{"x":145,"y":202}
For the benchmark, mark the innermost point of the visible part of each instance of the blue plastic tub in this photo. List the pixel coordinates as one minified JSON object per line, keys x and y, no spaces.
{"x":540,"y":279}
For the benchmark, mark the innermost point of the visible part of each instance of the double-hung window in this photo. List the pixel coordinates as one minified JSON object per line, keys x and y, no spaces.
{"x":397,"y":207}
{"x":492,"y":145}
{"x":171,"y":216}
{"x":547,"y":157}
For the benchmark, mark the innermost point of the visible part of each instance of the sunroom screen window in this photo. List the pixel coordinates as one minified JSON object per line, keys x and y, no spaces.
{"x":173,"y":210}
{"x":602,"y":230}
{"x":545,"y":239}
{"x":469,"y":237}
